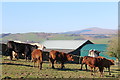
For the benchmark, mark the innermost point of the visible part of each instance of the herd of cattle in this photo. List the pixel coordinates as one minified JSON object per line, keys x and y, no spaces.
{"x":35,"y":54}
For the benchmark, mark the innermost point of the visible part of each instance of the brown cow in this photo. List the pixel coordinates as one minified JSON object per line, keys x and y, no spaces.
{"x":37,"y":57}
{"x":99,"y":62}
{"x":59,"y":56}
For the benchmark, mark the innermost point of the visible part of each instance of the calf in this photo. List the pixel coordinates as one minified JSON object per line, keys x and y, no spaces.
{"x":99,"y":62}
{"x":37,"y":57}
{"x":59,"y":56}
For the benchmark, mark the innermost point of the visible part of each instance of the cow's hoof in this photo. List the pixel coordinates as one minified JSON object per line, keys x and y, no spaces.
{"x":40,"y":68}
{"x":53,"y":67}
{"x":62,"y":67}
{"x":92,"y":74}
{"x":101,"y":76}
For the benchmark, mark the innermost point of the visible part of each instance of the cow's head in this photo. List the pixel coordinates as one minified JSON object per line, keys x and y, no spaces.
{"x":34,"y":47}
{"x":97,"y":52}
{"x":69,"y":57}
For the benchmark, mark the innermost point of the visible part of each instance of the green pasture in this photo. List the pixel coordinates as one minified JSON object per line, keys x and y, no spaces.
{"x":24,"y":69}
{"x":35,"y":37}
{"x":101,"y":41}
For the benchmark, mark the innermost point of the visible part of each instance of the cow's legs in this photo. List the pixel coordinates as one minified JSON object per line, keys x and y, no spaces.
{"x":91,"y":70}
{"x":29,"y":57}
{"x":25,"y":56}
{"x":52,"y":61}
{"x":62,"y":65}
{"x":86,"y":67}
{"x":33,"y":60}
{"x":38,"y":62}
{"x":40,"y":65}
{"x":34,"y":64}
{"x":94,"y":70}
{"x":53,"y":64}
{"x":109,"y":70}
{"x":81,"y":66}
{"x":101,"y":71}
{"x":18,"y":55}
{"x":11,"y":55}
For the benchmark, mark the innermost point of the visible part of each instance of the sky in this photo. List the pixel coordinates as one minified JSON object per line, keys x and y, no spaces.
{"x":23,"y":17}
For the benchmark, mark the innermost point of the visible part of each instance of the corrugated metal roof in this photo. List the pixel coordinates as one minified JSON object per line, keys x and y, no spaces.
{"x":100,"y":47}
{"x":63,"y":44}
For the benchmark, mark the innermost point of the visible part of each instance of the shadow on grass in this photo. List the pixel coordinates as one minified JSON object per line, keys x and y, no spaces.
{"x":19,"y":60}
{"x":117,"y":69}
{"x":111,"y":71}
{"x":68,"y":69}
{"x":15,"y":64}
{"x":112,"y":76}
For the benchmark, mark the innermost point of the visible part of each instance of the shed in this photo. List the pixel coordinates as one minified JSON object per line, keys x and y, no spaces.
{"x":100,"y":47}
{"x":67,"y":46}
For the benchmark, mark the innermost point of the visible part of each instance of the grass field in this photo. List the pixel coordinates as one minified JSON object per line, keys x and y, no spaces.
{"x":25,"y":69}
{"x":101,"y":41}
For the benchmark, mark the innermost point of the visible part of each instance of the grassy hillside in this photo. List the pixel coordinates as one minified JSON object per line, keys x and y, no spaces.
{"x":66,"y":37}
{"x":31,"y":37}
{"x":40,"y":37}
{"x":101,"y":41}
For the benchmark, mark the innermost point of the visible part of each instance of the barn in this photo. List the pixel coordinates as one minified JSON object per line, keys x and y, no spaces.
{"x":76,"y":47}
{"x":67,"y":46}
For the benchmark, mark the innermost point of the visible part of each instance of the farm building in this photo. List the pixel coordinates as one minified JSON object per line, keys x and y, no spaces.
{"x":76,"y":47}
{"x":67,"y":46}
{"x":100,"y":47}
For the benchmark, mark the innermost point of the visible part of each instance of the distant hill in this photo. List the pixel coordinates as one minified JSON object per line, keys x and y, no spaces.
{"x":96,"y":35}
{"x":93,"y":30}
{"x":3,"y":35}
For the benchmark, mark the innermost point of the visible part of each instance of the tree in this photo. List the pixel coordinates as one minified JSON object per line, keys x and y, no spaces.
{"x":114,"y":48}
